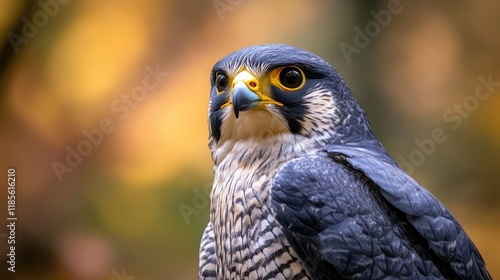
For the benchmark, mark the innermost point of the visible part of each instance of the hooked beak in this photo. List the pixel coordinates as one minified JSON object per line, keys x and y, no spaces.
{"x":247,"y":93}
{"x":243,"y":98}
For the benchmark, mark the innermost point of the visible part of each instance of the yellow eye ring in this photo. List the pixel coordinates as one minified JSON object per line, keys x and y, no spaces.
{"x":288,"y":78}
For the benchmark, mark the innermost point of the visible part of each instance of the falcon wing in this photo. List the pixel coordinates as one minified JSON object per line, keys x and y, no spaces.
{"x":352,"y":212}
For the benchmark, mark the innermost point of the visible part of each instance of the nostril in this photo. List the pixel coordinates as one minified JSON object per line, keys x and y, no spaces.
{"x":252,"y":84}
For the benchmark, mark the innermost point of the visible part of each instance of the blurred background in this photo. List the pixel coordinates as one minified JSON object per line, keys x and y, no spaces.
{"x":104,"y":106}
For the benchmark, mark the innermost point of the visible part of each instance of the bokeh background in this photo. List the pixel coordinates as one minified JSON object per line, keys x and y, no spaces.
{"x":136,"y":203}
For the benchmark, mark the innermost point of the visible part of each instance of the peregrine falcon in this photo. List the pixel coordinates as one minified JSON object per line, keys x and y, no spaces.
{"x":304,"y":190}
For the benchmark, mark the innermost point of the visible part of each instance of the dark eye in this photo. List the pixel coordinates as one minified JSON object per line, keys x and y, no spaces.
{"x":291,"y":77}
{"x":220,"y":82}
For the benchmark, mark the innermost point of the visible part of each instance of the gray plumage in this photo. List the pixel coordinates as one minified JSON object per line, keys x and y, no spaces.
{"x":303,"y":189}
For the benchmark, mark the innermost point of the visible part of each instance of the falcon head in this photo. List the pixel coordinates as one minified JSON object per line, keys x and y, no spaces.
{"x":281,"y":93}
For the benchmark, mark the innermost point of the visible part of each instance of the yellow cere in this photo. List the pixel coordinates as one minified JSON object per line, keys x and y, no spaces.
{"x":249,"y":79}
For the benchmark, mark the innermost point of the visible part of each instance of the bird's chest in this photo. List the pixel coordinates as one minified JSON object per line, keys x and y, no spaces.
{"x":249,"y":241}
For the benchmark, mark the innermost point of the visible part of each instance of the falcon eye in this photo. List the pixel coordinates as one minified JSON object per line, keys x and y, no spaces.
{"x":221,"y":82}
{"x":291,"y":78}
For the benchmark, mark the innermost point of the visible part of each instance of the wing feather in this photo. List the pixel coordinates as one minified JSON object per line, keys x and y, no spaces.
{"x":354,"y":213}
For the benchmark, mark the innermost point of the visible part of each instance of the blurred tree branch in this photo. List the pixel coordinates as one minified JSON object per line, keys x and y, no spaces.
{"x":7,"y":51}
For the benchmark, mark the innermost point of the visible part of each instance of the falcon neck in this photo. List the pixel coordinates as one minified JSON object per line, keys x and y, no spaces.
{"x":251,"y":151}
